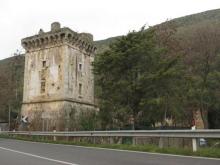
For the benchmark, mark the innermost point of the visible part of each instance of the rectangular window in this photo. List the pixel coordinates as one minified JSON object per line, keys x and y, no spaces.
{"x":80,"y":88}
{"x":80,"y":67}
{"x":44,"y":64}
{"x":43,"y":87}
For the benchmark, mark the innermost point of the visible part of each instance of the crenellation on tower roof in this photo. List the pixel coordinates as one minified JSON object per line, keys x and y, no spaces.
{"x":55,"y":26}
{"x":58,"y":35}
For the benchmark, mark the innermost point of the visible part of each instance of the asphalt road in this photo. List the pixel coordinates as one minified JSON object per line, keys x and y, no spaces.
{"x":14,"y":152}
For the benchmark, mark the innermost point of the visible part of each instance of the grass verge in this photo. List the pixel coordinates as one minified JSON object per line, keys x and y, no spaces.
{"x":202,"y":152}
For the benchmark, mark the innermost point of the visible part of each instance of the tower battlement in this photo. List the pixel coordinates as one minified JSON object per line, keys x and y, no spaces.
{"x":58,"y":35}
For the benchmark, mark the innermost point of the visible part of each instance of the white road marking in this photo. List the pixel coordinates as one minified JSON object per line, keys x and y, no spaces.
{"x":149,"y":153}
{"x":119,"y":150}
{"x":37,"y":156}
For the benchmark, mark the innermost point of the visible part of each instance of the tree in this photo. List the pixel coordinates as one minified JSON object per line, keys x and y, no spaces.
{"x":134,"y":78}
{"x":201,"y":57}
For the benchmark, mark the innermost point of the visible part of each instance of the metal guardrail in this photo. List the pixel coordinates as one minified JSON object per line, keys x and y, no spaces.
{"x":193,"y":134}
{"x":126,"y":133}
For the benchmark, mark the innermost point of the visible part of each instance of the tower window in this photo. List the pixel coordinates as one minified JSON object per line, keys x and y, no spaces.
{"x":80,"y":67}
{"x":44,"y":64}
{"x":80,"y":88}
{"x":43,"y":87}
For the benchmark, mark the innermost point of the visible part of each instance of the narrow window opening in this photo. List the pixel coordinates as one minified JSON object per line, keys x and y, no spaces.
{"x":80,"y":67}
{"x":44,"y":64}
{"x":43,"y":86}
{"x":80,"y":88}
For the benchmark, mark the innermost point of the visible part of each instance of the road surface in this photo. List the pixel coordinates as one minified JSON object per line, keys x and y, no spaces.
{"x":14,"y":152}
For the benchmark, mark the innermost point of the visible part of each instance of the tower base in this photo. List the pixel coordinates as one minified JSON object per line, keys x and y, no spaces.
{"x":56,"y":115}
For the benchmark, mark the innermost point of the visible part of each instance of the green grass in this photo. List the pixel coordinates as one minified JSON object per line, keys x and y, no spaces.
{"x":202,"y":152}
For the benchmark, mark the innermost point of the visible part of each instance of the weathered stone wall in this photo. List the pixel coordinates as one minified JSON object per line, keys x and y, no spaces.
{"x":59,"y":115}
{"x":58,"y":77}
{"x":53,"y":73}
{"x":62,"y":75}
{"x":78,"y":71}
{"x":4,"y":127}
{"x":199,"y":123}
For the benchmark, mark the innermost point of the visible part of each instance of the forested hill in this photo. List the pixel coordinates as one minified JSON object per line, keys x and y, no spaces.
{"x":182,"y":23}
{"x":11,"y":85}
{"x":207,"y":16}
{"x":11,"y":69}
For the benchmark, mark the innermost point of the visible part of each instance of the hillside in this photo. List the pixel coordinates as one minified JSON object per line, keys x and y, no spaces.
{"x":207,"y":16}
{"x":11,"y":69}
{"x":11,"y":85}
{"x":102,"y":45}
{"x":182,"y":24}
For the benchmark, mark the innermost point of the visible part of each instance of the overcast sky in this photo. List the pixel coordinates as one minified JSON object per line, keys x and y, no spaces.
{"x":102,"y":18}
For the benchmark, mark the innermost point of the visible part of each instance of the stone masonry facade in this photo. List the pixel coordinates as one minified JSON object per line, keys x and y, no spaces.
{"x":58,"y":78}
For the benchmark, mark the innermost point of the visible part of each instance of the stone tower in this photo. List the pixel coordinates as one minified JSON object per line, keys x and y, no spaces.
{"x":58,"y":78}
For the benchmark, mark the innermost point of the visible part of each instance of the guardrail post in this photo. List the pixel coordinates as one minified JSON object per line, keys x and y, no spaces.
{"x":194,"y":141}
{"x":194,"y":144}
{"x":134,"y":141}
{"x":54,"y":137}
{"x":161,"y":142}
{"x":93,"y":139}
{"x":111,"y":140}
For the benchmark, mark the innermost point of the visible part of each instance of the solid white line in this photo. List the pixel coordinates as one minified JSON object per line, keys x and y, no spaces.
{"x":150,"y":153}
{"x":142,"y":152}
{"x":37,"y":156}
{"x":118,"y":150}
